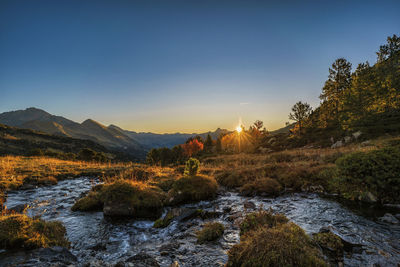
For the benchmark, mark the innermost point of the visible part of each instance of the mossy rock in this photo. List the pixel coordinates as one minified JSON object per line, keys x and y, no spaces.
{"x":192,"y":188}
{"x":91,"y":202}
{"x":21,"y":231}
{"x":331,"y":244}
{"x":283,"y":245}
{"x":261,"y":219}
{"x":164,"y":222}
{"x":210,"y":232}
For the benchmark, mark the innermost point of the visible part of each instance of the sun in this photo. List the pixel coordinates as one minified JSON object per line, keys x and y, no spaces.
{"x":238,"y":129}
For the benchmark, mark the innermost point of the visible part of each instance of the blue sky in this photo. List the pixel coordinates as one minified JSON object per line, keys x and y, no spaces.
{"x":189,"y":66}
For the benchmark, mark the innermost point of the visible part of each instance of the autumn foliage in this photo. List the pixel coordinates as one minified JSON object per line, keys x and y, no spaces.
{"x":192,"y":147}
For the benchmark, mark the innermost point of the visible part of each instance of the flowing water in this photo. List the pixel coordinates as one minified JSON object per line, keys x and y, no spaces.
{"x":94,"y":237}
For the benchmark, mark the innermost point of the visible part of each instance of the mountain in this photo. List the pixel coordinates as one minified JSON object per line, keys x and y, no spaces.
{"x":285,"y":129}
{"x":153,"y":140}
{"x":40,"y":120}
{"x":16,"y":141}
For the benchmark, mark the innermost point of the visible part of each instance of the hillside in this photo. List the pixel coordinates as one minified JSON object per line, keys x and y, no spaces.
{"x":40,"y":120}
{"x":15,"y":141}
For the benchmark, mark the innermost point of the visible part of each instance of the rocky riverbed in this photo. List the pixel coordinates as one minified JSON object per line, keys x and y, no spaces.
{"x":99,"y":241}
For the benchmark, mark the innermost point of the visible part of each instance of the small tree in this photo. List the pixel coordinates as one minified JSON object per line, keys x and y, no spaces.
{"x":192,"y":147}
{"x":192,"y":167}
{"x":300,"y":112}
{"x":208,"y":143}
{"x":219,"y":145}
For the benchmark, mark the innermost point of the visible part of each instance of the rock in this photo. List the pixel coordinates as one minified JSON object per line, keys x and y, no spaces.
{"x":389,"y":218}
{"x":235,"y":216}
{"x":120,"y":264}
{"x":394,"y":206}
{"x":316,"y":189}
{"x":366,"y":143}
{"x":347,"y":139}
{"x":142,"y":260}
{"x":356,"y":135}
{"x":249,"y":205}
{"x":118,"y":209}
{"x":227,"y":209}
{"x":169,"y":248}
{"x":337,"y":144}
{"x":174,"y":264}
{"x":397,"y":216}
{"x":348,"y":245}
{"x":54,"y":256}
{"x":369,"y":198}
{"x":19,"y":208}
{"x":184,"y":214}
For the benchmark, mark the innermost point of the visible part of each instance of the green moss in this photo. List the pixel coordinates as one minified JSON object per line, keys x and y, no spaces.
{"x":210,"y":232}
{"x":20,"y":231}
{"x":91,"y":202}
{"x":284,"y":245}
{"x":192,"y":188}
{"x":164,"y":222}
{"x":330,"y":242}
{"x":260,"y":219}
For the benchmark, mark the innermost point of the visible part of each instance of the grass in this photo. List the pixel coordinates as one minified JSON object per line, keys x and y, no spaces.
{"x":268,"y":239}
{"x":260,"y":219}
{"x":302,"y":169}
{"x":20,"y":231}
{"x":210,"y":232}
{"x":330,"y":243}
{"x":192,"y":188}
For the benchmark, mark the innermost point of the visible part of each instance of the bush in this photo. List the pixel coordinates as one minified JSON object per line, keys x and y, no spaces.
{"x":376,"y":171}
{"x":192,"y":188}
{"x":230,"y":179}
{"x":283,"y":245}
{"x":210,"y":232}
{"x":262,"y":218}
{"x":264,"y":186}
{"x":20,"y":231}
{"x":192,"y":167}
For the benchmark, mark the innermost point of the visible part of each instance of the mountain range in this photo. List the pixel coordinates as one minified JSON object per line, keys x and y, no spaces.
{"x":112,"y":137}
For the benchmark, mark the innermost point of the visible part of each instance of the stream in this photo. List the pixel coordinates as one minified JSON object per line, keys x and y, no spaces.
{"x":97,"y":239}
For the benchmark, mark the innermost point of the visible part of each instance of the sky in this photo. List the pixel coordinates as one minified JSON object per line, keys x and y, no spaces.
{"x":181,"y":66}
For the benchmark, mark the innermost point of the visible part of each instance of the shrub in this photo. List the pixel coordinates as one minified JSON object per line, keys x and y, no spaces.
{"x":262,"y":218}
{"x":265,"y":186}
{"x":192,"y":188}
{"x":192,"y":167}
{"x":283,"y":245}
{"x":376,"y":171}
{"x":230,"y":179}
{"x":20,"y":231}
{"x":210,"y":232}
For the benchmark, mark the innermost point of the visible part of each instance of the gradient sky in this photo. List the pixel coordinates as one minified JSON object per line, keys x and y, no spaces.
{"x":188,"y":66}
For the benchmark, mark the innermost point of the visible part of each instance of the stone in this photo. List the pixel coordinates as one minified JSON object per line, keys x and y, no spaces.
{"x":337,"y":144}
{"x":347,"y":139}
{"x":357,"y":134}
{"x":54,"y":256}
{"x":19,"y":208}
{"x":389,"y":218}
{"x":143,"y":260}
{"x":249,"y":205}
{"x":117,"y":209}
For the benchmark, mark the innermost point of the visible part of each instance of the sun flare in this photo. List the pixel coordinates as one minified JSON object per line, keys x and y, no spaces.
{"x":238,"y":129}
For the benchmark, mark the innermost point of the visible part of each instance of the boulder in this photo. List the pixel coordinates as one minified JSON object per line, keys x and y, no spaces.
{"x":19,"y":208}
{"x":347,"y":139}
{"x":142,"y":260}
{"x":118,"y":209}
{"x":389,"y":218}
{"x":249,"y":205}
{"x":54,"y":256}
